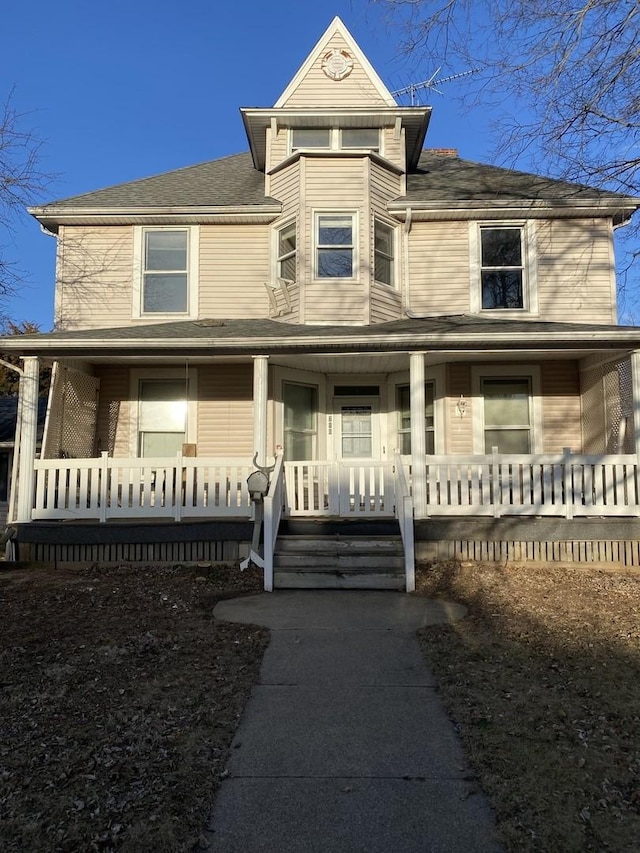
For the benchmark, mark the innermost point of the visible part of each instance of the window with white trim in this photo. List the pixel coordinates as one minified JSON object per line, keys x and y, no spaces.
{"x":507,"y":414}
{"x":165,"y":272}
{"x":286,"y":263}
{"x":403,"y":402}
{"x":300,"y":404}
{"x":162,"y":416}
{"x":502,"y":267}
{"x":384,"y":253}
{"x":335,"y":139}
{"x":335,"y":245}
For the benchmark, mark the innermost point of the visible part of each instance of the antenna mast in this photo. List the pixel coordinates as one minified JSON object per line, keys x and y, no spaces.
{"x":432,"y":83}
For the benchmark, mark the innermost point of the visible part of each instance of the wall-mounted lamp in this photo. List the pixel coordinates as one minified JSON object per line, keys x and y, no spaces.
{"x":461,"y":406}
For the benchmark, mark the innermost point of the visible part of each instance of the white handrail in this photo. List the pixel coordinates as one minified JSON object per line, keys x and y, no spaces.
{"x":273,"y":503}
{"x":404,"y":514}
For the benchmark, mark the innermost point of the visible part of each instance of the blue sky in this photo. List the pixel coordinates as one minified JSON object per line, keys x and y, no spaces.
{"x":122,"y":90}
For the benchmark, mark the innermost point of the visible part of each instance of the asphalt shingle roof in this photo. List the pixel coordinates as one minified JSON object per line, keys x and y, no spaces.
{"x":233,"y":181}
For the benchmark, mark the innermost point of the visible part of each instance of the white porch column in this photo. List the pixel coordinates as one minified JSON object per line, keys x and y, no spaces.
{"x":28,"y":435}
{"x":260,"y":399}
{"x":418,"y":435}
{"x":635,"y":385}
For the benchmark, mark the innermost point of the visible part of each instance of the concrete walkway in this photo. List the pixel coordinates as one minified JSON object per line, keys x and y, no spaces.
{"x":344,"y":745}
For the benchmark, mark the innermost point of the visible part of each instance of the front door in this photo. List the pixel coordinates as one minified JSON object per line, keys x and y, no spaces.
{"x":356,"y":428}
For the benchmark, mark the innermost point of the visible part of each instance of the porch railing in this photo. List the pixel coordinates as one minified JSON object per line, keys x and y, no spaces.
{"x":404,"y":514}
{"x":346,"y":489}
{"x":105,"y":488}
{"x":273,"y":505}
{"x":564,"y":485}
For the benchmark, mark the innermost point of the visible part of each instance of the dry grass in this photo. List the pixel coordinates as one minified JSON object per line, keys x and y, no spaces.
{"x":543,"y":682}
{"x":119,"y":696}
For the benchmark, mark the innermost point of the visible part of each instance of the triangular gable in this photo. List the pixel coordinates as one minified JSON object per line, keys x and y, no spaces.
{"x":335,"y":74}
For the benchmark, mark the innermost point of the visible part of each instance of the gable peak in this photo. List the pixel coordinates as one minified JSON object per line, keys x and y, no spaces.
{"x":336,"y":68}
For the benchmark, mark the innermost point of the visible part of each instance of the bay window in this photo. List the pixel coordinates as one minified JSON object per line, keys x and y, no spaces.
{"x":335,"y":245}
{"x":384,"y":251}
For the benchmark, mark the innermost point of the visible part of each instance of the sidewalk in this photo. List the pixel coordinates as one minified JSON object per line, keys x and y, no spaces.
{"x":343,"y":745}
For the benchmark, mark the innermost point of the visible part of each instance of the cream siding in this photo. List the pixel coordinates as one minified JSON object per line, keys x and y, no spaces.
{"x":113,"y":429}
{"x":385,"y":185}
{"x":334,"y":185}
{"x":234,"y":266}
{"x":285,"y":186}
{"x":277,"y":148}
{"x":225,"y":410}
{"x":385,"y":304}
{"x":94,"y":277}
{"x":393,"y":149}
{"x":575,"y":272}
{"x":560,"y":390}
{"x":439,"y":268}
{"x":459,"y":430}
{"x":317,"y":91}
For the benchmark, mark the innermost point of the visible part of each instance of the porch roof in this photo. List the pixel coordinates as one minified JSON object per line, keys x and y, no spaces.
{"x":209,"y":337}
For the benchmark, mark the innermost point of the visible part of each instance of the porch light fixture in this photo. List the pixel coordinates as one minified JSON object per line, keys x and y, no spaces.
{"x":461,"y":406}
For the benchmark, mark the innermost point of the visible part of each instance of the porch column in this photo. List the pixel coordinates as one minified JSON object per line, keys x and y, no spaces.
{"x":635,"y":385}
{"x":260,"y":399}
{"x":28,"y":395}
{"x":418,"y":435}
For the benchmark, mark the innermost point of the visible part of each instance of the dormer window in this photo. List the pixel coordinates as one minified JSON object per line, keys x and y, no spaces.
{"x":335,"y":139}
{"x":313,"y":137}
{"x":360,"y":137}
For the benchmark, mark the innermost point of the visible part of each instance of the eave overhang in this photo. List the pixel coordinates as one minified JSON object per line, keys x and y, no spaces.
{"x":414,"y":120}
{"x":53,"y":216}
{"x":620,"y":210}
{"x":74,"y":345}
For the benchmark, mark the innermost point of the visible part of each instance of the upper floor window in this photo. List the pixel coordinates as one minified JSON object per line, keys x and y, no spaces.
{"x":384,"y":260}
{"x":335,"y":139}
{"x":165,"y":271}
{"x":312,"y":137}
{"x":501,"y":267}
{"x":360,"y":137}
{"x":165,"y":276}
{"x":335,"y":245}
{"x":286,"y":266}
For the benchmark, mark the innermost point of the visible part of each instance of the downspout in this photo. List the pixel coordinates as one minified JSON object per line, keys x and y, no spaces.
{"x":405,"y":243}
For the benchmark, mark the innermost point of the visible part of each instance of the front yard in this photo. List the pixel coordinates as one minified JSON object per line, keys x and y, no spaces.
{"x":119,"y":696}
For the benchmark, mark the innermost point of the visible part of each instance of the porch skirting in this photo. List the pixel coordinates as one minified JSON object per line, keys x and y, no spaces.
{"x":609,"y":542}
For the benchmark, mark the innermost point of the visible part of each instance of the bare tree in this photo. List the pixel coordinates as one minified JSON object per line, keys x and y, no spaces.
{"x":9,"y":380}
{"x":570,"y":72}
{"x":21,"y":180}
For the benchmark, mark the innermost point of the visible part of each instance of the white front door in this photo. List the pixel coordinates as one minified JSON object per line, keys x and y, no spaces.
{"x":356,"y":428}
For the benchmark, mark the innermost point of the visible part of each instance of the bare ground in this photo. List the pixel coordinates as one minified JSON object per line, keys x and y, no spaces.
{"x":543,"y":683}
{"x":119,"y":696}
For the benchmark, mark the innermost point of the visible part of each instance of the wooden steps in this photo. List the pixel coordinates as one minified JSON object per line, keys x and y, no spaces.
{"x":339,"y":562}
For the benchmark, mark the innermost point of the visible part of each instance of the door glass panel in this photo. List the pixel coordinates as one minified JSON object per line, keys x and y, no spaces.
{"x":357,"y":436}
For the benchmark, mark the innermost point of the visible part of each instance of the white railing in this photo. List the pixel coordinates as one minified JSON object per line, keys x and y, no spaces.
{"x":273,"y":504}
{"x":339,"y":488}
{"x":105,"y":488}
{"x":564,"y":485}
{"x":404,"y":514}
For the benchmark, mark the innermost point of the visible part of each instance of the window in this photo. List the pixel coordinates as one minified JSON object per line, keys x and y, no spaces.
{"x":300,"y":421}
{"x":165,"y":272}
{"x":334,"y":245}
{"x":287,"y":252}
{"x":360,"y":137}
{"x":383,"y":253}
{"x":162,"y":417}
{"x":404,"y":418}
{"x":335,"y":139}
{"x":501,"y":267}
{"x":4,"y":476}
{"x":507,"y":414}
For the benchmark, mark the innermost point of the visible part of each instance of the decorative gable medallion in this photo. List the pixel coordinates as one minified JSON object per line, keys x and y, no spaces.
{"x":337,"y":64}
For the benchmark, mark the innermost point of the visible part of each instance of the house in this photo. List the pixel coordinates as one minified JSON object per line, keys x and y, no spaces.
{"x":426,"y":348}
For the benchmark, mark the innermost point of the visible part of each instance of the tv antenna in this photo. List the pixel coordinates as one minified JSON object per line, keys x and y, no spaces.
{"x":432,"y":83}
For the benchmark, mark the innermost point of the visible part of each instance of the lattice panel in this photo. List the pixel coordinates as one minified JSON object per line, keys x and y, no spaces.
{"x":71,"y":427}
{"x":607,"y":408}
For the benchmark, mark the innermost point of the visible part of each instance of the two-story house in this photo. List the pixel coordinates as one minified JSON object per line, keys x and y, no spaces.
{"x":431,"y":343}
